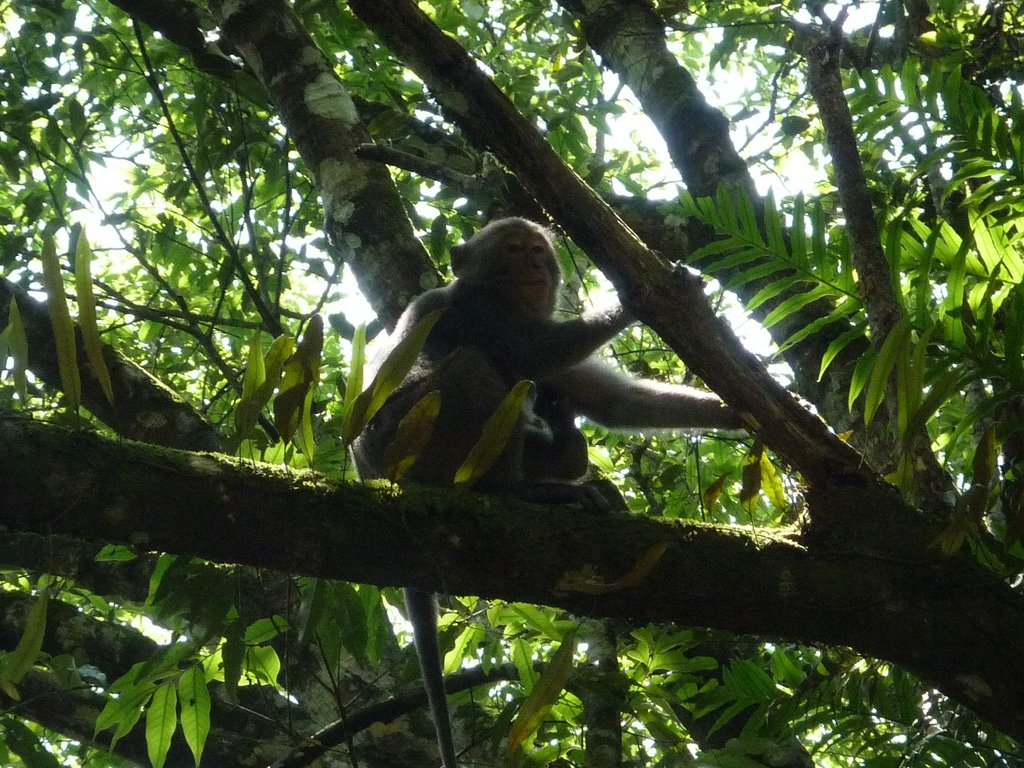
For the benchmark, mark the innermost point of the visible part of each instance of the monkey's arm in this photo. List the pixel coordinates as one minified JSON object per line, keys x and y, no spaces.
{"x":535,"y":349}
{"x":616,"y":400}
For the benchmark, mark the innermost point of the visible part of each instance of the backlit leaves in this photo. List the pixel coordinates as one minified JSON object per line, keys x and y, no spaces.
{"x":63,"y":328}
{"x":390,"y":375}
{"x":497,"y":431}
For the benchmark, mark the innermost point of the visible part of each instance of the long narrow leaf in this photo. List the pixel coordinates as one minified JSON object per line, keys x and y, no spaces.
{"x":247,"y":410}
{"x":195,"y":710}
{"x":495,"y":436}
{"x":354,"y":383}
{"x":391,"y":374}
{"x":25,"y":653}
{"x":838,"y":345}
{"x":161,"y":722}
{"x":87,"y":317}
{"x":14,"y":342}
{"x":939,"y":392}
{"x":414,"y":431}
{"x":894,"y":346}
{"x":543,"y":696}
{"x":63,"y":329}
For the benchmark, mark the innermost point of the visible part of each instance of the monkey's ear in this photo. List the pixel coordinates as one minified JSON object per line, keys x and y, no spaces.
{"x":459,"y":255}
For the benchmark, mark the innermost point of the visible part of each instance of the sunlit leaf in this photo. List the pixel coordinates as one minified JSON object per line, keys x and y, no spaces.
{"x":25,"y":653}
{"x":263,"y":663}
{"x":894,"y":347}
{"x":123,"y":712}
{"x":63,"y":329}
{"x":357,"y":363}
{"x":87,"y":317}
{"x":466,"y":642}
{"x":161,"y":722}
{"x":13,"y":342}
{"x":412,"y":435}
{"x":543,"y":696}
{"x":939,"y":392}
{"x":838,"y":345}
{"x":247,"y":410}
{"x":299,"y":378}
{"x":195,"y":710}
{"x":771,"y":483}
{"x":390,"y":375}
{"x":643,"y":567}
{"x":714,"y":491}
{"x":751,"y":483}
{"x":496,"y":433}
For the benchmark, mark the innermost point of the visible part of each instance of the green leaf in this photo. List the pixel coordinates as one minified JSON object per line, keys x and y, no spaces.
{"x":495,"y":435}
{"x":123,"y":712}
{"x":115,"y":553}
{"x":233,"y":656}
{"x":543,"y":696}
{"x":357,"y":364}
{"x":161,"y":722}
{"x":861,"y":374}
{"x":247,"y":410}
{"x":392,"y":373}
{"x":14,"y":342}
{"x":750,"y":485}
{"x":299,"y":378}
{"x":195,"y":710}
{"x":894,"y":347}
{"x":87,"y":317}
{"x":263,"y":663}
{"x":304,"y":436}
{"x":522,"y":657}
{"x":24,"y":655}
{"x":771,"y":482}
{"x":63,"y":329}
{"x":24,"y":743}
{"x":265,"y":629}
{"x":939,"y":392}
{"x":412,"y":435}
{"x":466,"y":643}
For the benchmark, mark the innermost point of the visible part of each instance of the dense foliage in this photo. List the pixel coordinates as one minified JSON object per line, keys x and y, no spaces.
{"x":202,"y":196}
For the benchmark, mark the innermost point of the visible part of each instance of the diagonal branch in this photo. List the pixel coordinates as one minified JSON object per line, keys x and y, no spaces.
{"x":929,"y":485}
{"x":364,"y":217}
{"x":670,"y":301}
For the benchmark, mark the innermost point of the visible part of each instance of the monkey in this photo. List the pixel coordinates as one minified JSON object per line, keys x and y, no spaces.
{"x":498,"y":329}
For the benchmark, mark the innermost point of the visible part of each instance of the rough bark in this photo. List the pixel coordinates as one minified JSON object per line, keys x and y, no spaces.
{"x":866,"y":555}
{"x":363,"y":214}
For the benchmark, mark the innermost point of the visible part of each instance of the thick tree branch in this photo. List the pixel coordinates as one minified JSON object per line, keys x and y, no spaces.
{"x":945,"y":619}
{"x":363,"y":215}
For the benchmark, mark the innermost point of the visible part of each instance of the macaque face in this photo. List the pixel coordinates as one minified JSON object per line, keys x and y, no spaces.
{"x":515,"y":259}
{"x":532,"y":271}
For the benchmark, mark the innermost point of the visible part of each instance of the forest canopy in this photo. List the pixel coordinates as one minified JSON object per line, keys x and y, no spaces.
{"x":211,"y":211}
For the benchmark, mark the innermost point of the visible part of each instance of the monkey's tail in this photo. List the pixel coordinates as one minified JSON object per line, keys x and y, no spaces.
{"x":422,"y":609}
